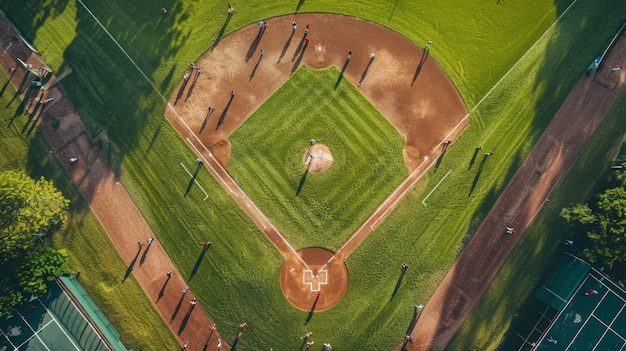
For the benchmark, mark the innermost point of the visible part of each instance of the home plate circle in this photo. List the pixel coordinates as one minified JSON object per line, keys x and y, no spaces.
{"x":322,"y":274}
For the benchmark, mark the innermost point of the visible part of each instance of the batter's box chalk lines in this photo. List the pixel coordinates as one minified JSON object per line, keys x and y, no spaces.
{"x":315,"y":280}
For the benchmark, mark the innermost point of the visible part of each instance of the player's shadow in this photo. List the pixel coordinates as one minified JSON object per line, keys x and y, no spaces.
{"x":4,"y":87}
{"x":367,"y":68}
{"x":193,"y":84}
{"x":233,"y":346}
{"x":298,"y":48}
{"x":256,"y":66}
{"x":143,"y":256}
{"x":419,"y":66}
{"x":180,"y":302}
{"x":162,"y":291}
{"x":299,"y":5}
{"x":223,"y":115}
{"x":398,"y":283}
{"x":199,"y":261}
{"x":206,"y":344}
{"x":285,"y":47}
{"x":477,"y":177}
{"x":303,"y":179}
{"x":343,"y":69}
{"x":220,"y":34}
{"x":183,"y":324}
{"x":440,"y":158}
{"x":206,"y":119}
{"x":312,"y":311}
{"x":299,"y":60}
{"x":193,"y":179}
{"x":182,"y":89}
{"x":471,"y":163}
{"x":255,"y":44}
{"x":131,"y":265}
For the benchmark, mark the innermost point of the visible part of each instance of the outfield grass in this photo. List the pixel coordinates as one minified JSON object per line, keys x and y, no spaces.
{"x":83,"y":240}
{"x":476,"y":43}
{"x":501,"y":311}
{"x":321,"y":209}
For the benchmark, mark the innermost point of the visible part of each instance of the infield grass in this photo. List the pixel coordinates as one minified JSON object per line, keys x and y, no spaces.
{"x":475,"y":42}
{"x":268,"y":152}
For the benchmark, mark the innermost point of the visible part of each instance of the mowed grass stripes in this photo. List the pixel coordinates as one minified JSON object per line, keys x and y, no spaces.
{"x":268,"y":151}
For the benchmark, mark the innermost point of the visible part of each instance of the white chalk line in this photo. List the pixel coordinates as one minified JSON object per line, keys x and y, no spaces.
{"x":435,"y":188}
{"x":523,"y":56}
{"x":187,"y":126}
{"x":190,"y":131}
{"x":195,"y":181}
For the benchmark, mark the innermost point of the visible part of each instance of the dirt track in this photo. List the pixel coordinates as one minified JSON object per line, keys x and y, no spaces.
{"x":461,"y":288}
{"x":573,"y":125}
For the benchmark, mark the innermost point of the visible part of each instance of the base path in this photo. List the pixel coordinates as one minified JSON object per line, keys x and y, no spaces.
{"x":117,"y":213}
{"x":576,"y":121}
{"x":402,"y":81}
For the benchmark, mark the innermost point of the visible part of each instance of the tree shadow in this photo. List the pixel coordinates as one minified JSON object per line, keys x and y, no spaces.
{"x":131,"y":265}
{"x":398,"y":283}
{"x":310,"y":315}
{"x":364,"y":74}
{"x":343,"y":69}
{"x":255,"y":44}
{"x":180,"y":302}
{"x":223,"y":115}
{"x":183,"y":324}
{"x":196,"y":266}
{"x":285,"y":47}
{"x":419,"y":66}
{"x":478,"y":172}
{"x":162,"y":291}
{"x":255,"y":68}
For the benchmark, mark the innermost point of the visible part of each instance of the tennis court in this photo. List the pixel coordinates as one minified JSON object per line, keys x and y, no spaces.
{"x":593,"y":318}
{"x":51,"y":322}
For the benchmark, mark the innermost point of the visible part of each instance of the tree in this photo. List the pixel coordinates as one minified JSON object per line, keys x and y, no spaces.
{"x":28,"y":209}
{"x":604,"y":225}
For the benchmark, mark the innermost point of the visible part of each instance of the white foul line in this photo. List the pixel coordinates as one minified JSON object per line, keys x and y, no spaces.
{"x":195,"y":181}
{"x":435,"y":188}
{"x":189,"y":129}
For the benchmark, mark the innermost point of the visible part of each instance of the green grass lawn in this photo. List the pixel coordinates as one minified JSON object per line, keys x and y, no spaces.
{"x":87,"y":245}
{"x":321,"y":209}
{"x":475,"y":42}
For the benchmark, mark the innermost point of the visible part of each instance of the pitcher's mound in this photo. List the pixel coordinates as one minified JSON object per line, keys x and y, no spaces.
{"x":320,"y":158}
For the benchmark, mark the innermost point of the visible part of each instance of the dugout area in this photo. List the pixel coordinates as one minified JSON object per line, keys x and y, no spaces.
{"x":65,"y":319}
{"x":575,"y":319}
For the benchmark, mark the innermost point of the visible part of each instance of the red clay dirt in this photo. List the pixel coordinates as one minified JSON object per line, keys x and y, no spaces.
{"x":402,"y":81}
{"x":115,"y":210}
{"x":575,"y":122}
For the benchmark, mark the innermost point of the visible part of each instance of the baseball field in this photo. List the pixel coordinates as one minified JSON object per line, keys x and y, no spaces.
{"x":511,"y":64}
